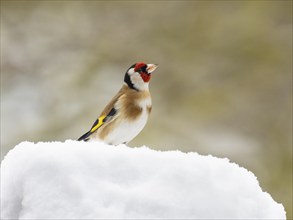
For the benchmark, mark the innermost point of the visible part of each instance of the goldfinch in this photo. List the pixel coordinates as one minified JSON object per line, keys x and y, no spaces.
{"x":127,"y":113}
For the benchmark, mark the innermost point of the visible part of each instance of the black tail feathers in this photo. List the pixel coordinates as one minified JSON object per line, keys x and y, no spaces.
{"x":85,"y":137}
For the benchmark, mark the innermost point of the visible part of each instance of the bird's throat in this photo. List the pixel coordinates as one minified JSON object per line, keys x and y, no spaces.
{"x":146,"y":77}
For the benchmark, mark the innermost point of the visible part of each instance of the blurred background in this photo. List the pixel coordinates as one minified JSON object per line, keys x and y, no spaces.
{"x":223,"y":86}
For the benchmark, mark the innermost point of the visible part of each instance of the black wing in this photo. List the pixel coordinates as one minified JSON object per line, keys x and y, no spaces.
{"x":98,"y":123}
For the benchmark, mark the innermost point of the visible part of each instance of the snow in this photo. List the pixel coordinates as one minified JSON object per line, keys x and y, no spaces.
{"x":90,"y":180}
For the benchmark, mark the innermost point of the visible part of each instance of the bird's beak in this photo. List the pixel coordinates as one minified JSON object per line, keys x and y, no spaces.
{"x":151,"y":67}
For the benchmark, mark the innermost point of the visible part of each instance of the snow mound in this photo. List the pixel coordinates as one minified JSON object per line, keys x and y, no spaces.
{"x":79,"y":180}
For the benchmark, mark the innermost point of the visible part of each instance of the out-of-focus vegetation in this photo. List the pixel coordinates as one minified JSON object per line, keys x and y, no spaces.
{"x":223,"y":86}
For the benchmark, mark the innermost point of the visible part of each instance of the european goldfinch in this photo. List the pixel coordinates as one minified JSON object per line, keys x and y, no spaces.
{"x":127,"y":113}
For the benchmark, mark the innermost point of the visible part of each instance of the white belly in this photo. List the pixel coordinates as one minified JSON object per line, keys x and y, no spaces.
{"x":127,"y":130}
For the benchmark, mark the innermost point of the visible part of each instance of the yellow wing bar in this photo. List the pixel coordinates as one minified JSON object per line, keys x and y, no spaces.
{"x":98,"y":124}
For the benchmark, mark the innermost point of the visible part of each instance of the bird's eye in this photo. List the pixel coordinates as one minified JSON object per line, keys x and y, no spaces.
{"x":143,"y":69}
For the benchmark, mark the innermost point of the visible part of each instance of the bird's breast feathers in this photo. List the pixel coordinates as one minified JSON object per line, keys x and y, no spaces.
{"x":133,"y":109}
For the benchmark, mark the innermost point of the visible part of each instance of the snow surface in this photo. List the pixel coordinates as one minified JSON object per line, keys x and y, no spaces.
{"x":80,"y":180}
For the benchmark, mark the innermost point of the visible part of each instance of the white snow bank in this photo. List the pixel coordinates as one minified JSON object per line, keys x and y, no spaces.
{"x":78,"y":180}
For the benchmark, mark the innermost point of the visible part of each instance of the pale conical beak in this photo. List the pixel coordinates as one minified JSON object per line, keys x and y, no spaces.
{"x":151,"y":67}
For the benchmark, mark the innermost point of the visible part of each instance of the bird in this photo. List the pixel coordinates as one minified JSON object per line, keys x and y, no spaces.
{"x":127,"y":113}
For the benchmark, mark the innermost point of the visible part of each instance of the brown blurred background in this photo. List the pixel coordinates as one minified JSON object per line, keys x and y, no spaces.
{"x":223,"y":86}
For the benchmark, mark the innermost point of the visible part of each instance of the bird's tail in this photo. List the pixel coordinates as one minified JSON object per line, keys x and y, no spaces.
{"x":98,"y":123}
{"x":85,"y":137}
